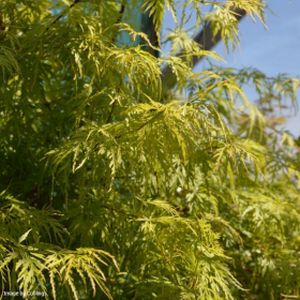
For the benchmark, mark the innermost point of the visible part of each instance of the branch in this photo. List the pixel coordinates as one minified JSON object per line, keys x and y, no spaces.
{"x":206,"y":41}
{"x":149,"y":28}
{"x":109,"y":118}
{"x":61,"y":15}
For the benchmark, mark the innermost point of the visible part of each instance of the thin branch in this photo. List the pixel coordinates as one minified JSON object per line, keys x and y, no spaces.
{"x":62,"y":14}
{"x":109,"y":118}
{"x":149,"y":28}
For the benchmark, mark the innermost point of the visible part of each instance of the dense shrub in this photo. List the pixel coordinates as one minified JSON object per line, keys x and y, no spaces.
{"x":114,"y":185}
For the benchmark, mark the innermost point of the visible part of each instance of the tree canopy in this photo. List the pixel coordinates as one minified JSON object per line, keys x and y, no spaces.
{"x":116,"y":184}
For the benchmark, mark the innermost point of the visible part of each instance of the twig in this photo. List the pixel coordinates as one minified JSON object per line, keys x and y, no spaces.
{"x":62,"y":14}
{"x":109,"y":118}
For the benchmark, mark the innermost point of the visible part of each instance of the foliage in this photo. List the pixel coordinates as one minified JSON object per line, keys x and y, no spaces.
{"x":113,"y":187}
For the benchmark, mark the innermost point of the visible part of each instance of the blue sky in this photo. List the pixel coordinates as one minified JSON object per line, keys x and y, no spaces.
{"x":273,"y":50}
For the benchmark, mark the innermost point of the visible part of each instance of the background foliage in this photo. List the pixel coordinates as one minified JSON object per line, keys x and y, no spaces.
{"x":114,"y":186}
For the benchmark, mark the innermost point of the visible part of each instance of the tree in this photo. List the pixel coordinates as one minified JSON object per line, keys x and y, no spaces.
{"x":115,"y":186}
